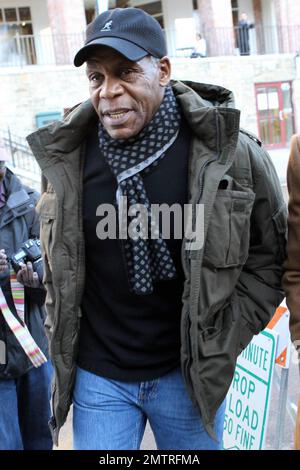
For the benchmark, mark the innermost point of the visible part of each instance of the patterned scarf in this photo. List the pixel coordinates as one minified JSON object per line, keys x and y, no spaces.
{"x":147,"y":259}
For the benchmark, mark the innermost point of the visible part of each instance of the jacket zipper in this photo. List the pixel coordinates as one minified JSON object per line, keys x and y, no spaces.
{"x":187,"y":257}
{"x":187,"y":263}
{"x":201,"y":186}
{"x":80,"y":215}
{"x":202,"y":171}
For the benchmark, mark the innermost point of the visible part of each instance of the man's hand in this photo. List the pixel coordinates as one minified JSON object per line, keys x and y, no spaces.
{"x":3,"y":261}
{"x":27,"y":276}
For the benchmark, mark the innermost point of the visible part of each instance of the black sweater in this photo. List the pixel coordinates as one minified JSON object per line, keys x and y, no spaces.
{"x":124,"y":336}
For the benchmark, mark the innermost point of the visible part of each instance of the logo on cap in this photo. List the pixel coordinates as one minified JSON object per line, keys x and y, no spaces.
{"x":107,"y":26}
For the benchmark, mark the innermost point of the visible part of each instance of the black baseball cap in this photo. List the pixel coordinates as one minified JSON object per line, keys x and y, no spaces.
{"x":130,"y":31}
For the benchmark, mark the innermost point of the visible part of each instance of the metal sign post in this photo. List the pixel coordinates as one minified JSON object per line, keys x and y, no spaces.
{"x":284,"y":377}
{"x":280,"y":324}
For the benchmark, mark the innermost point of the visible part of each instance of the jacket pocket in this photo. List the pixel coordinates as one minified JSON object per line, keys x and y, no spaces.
{"x":47,"y":227}
{"x":228,"y":235}
{"x":218,"y":342}
{"x":46,"y":208}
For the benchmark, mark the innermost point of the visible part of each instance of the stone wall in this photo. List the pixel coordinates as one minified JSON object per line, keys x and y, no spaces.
{"x":31,"y":90}
{"x":240,"y":74}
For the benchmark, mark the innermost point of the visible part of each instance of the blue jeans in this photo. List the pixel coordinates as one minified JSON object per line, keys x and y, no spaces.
{"x":112,"y":415}
{"x":25,"y":411}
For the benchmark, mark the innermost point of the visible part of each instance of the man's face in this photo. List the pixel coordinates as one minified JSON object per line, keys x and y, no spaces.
{"x":125,"y":94}
{"x":2,"y":171}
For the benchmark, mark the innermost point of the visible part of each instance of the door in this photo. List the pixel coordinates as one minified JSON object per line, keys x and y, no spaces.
{"x":275,"y":113}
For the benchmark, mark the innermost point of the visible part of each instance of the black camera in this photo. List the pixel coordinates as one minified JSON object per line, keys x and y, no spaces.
{"x":29,"y":251}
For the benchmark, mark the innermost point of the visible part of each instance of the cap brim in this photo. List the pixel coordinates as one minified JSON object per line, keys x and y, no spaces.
{"x":126,"y":48}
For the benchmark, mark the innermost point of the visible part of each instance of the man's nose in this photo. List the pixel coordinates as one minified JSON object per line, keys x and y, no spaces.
{"x":110,"y":88}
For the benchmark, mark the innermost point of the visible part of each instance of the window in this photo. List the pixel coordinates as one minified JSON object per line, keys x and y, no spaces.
{"x":16,"y":27}
{"x":24,"y":14}
{"x":17,"y":20}
{"x":10,"y":14}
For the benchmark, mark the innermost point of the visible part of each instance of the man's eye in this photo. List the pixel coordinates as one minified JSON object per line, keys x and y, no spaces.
{"x":95,"y":78}
{"x":126,"y":73}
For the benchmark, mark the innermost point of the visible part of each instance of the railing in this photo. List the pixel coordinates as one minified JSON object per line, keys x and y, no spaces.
{"x":23,"y":163}
{"x":18,"y":51}
{"x":259,"y":40}
{"x":60,"y":49}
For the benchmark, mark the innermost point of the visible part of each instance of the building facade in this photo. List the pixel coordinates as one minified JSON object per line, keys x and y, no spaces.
{"x":38,"y":40}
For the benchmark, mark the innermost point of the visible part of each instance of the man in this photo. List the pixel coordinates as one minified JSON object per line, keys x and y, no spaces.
{"x":24,"y":373}
{"x":200,"y":47}
{"x":243,"y":34}
{"x":140,"y":327}
{"x":291,"y":279}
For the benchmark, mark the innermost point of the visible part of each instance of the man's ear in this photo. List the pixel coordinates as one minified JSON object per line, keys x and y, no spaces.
{"x":164,"y":71}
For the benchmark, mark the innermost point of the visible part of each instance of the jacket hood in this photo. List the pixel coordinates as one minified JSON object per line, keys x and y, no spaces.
{"x":209,"y":95}
{"x":208,"y":109}
{"x":14,"y":184}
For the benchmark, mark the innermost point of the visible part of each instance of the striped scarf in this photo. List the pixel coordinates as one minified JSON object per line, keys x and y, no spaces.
{"x":17,"y":324}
